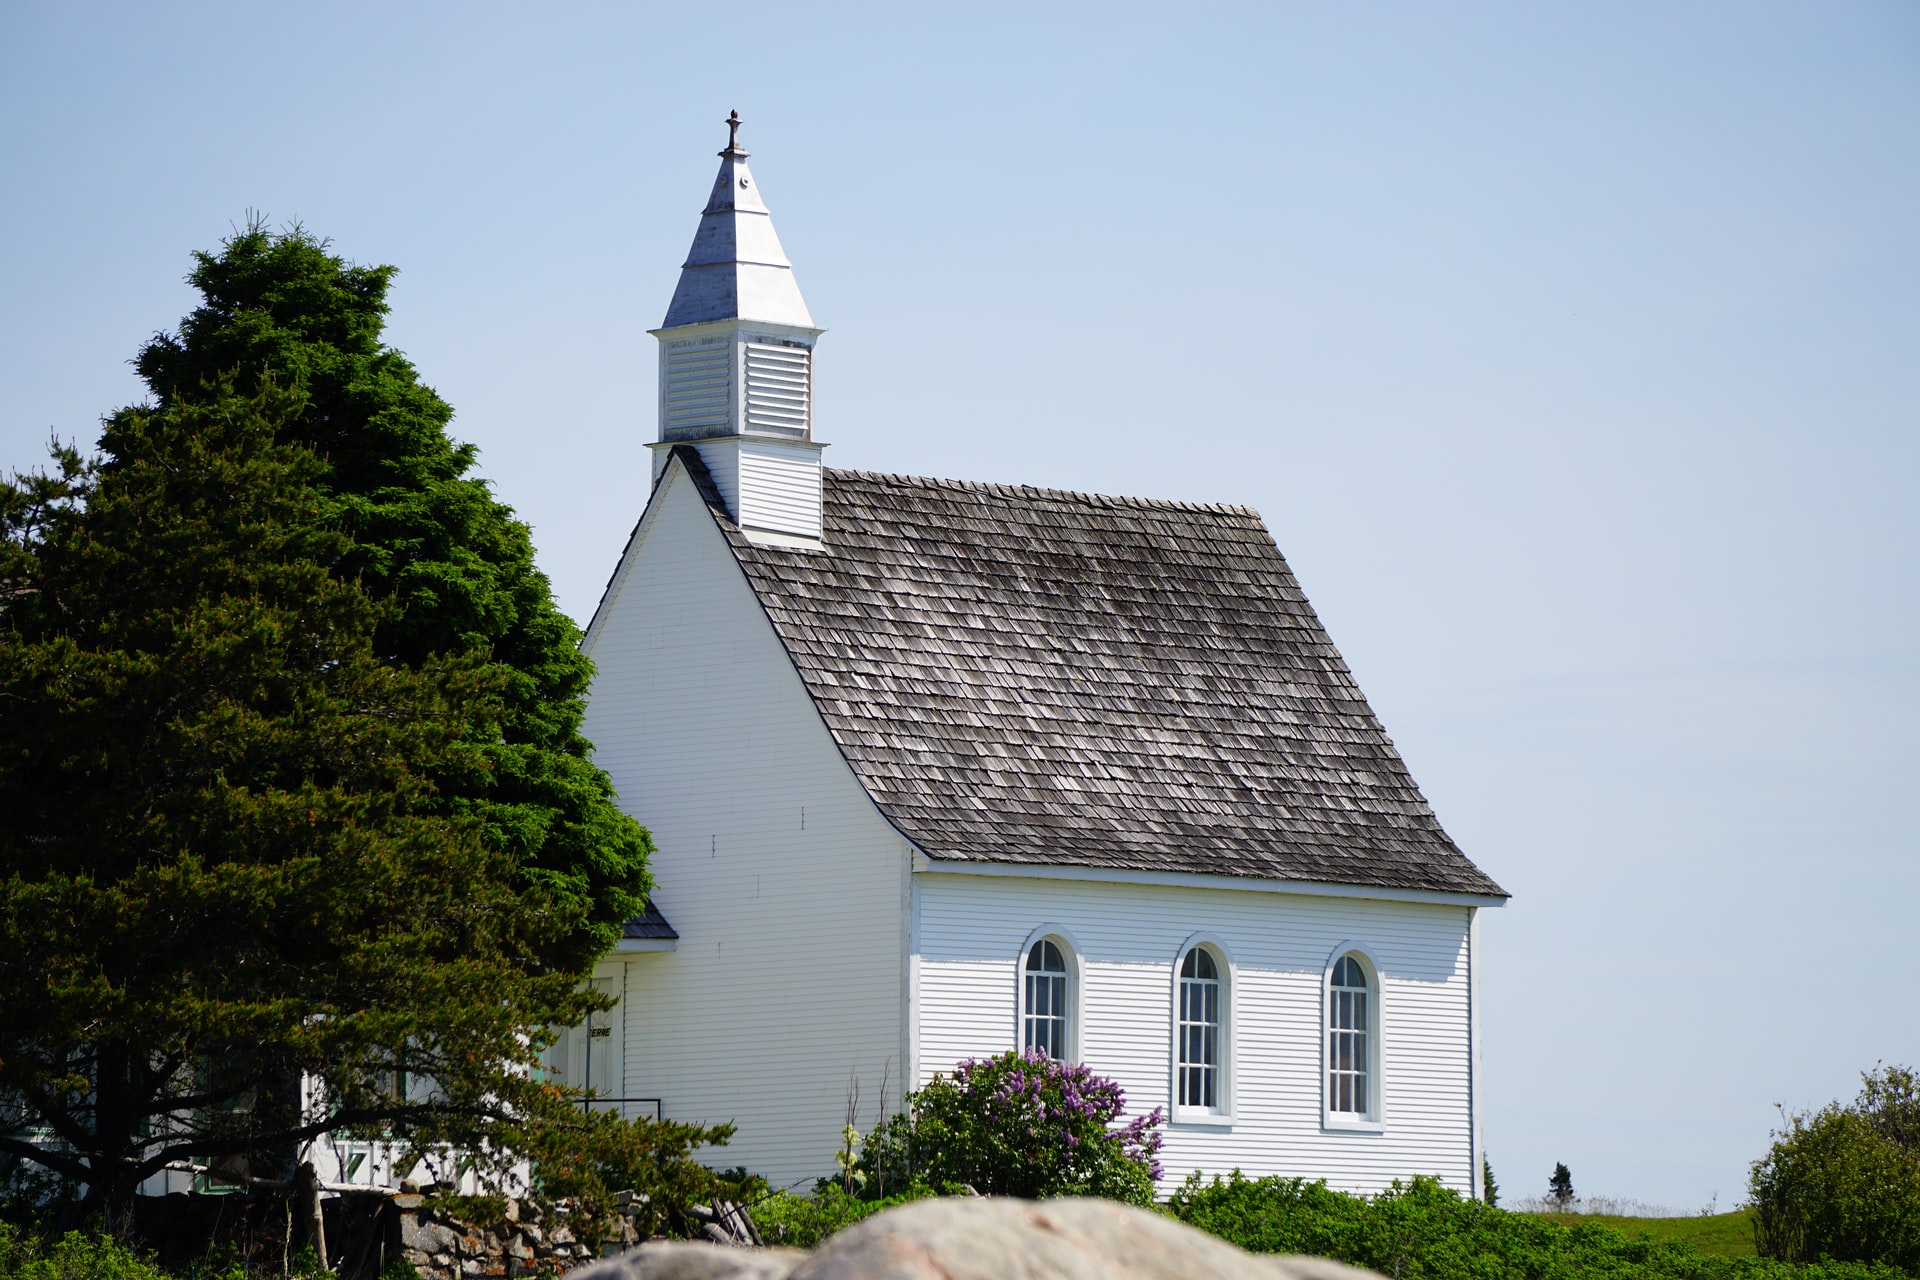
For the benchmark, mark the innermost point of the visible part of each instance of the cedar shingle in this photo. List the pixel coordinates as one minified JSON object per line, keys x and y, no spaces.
{"x":1029,"y":675}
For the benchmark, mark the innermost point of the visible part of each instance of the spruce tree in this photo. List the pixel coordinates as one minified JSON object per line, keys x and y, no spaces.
{"x":428,"y":538}
{"x":229,"y":860}
{"x":1560,"y":1186}
{"x":291,"y":765}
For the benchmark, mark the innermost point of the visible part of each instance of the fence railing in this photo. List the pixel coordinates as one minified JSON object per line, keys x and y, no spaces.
{"x":659,"y":1108}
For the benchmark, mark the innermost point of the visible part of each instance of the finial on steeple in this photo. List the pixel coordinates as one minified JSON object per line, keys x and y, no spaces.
{"x":733,"y":135}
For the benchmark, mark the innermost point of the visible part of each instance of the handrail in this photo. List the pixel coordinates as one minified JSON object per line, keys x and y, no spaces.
{"x":659,"y":1107}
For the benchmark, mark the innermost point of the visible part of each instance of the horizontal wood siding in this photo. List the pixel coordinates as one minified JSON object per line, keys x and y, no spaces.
{"x":783,"y":882}
{"x":970,"y":930}
{"x":779,"y":489}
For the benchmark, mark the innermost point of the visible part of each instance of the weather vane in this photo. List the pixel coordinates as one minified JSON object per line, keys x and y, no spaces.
{"x":733,"y":130}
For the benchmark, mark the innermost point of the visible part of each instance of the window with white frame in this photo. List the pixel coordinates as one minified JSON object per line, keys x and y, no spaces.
{"x":1199,"y":1084}
{"x":1044,"y":1009}
{"x":1350,"y":1039}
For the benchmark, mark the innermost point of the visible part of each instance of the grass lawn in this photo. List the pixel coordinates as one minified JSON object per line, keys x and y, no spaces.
{"x":1728,"y":1234}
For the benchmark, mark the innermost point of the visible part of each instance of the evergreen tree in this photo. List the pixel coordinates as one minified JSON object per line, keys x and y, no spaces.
{"x":1560,"y":1186}
{"x":229,"y":860}
{"x":1489,"y":1189}
{"x":291,"y":766}
{"x":429,"y":539}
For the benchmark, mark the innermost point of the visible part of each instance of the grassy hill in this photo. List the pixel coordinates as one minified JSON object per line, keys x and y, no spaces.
{"x":1729,"y":1235}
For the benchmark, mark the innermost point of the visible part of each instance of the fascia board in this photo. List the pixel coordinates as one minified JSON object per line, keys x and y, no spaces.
{"x":924,"y":865}
{"x":736,"y":324}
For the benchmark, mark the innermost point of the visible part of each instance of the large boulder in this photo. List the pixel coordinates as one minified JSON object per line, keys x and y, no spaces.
{"x":693,"y":1260}
{"x":983,"y":1239}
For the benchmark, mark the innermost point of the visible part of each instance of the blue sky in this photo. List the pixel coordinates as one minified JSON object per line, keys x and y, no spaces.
{"x":1571,"y":352}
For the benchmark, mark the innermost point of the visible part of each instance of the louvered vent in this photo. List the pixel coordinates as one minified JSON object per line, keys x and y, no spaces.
{"x":695,"y":397}
{"x":778,"y":389}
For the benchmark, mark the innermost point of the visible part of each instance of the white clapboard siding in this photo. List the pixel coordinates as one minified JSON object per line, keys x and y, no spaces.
{"x":779,"y":487}
{"x":785,"y":885}
{"x":969,"y":930}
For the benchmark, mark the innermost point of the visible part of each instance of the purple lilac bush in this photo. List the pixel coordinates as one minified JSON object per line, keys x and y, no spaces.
{"x":1019,"y":1124}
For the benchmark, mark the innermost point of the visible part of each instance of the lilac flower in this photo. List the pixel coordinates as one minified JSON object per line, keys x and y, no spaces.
{"x":1021,"y":1123}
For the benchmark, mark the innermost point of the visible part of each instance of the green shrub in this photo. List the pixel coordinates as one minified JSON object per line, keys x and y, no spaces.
{"x":597,"y":1156}
{"x":802,"y":1222}
{"x":77,"y":1255}
{"x":26,"y":1254}
{"x":1018,"y":1124}
{"x":1844,"y":1182}
{"x":1425,"y":1230}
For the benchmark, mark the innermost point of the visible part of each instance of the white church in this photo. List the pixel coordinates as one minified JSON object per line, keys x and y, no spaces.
{"x":938,"y":769}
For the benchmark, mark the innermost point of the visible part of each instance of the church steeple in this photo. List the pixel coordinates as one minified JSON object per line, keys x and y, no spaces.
{"x":736,"y":363}
{"x":736,"y":269}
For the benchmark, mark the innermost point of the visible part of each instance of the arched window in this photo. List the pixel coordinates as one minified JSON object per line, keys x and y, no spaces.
{"x":1199,"y":1083}
{"x":1044,"y":1012}
{"x":1350,"y":1039}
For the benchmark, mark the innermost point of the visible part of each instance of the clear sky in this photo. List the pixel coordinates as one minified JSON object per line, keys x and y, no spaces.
{"x":1572,"y":353}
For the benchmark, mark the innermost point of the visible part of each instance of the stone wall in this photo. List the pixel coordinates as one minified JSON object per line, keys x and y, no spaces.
{"x":442,"y":1247}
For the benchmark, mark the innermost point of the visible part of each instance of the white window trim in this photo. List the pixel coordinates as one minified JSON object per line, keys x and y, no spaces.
{"x":1224,"y":1116}
{"x":1076,"y":987}
{"x":1375,"y":1121}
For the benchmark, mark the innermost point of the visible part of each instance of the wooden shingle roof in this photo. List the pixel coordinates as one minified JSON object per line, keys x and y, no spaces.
{"x":1024,"y":675}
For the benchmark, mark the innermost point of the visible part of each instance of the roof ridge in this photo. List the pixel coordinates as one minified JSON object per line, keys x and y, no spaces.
{"x":1083,"y":497}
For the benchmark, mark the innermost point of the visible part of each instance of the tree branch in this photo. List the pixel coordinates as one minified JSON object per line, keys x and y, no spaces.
{"x":72,"y":1166}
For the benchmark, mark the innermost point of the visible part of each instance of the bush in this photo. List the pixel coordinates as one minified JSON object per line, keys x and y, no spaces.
{"x":77,"y":1255}
{"x":1018,"y":1124}
{"x":802,"y":1222}
{"x":1844,"y":1182}
{"x":590,"y":1162}
{"x":27,"y":1254}
{"x":1425,"y":1230}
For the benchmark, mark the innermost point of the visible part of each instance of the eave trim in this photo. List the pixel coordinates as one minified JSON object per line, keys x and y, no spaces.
{"x":923,"y":865}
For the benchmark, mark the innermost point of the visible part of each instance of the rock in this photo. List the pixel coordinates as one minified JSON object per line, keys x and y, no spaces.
{"x":982,"y":1239}
{"x":427,"y":1237}
{"x":689,"y":1260}
{"x":1068,"y":1239}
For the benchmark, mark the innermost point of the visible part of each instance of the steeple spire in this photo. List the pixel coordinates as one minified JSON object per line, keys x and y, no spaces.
{"x":736,"y":364}
{"x":736,"y":269}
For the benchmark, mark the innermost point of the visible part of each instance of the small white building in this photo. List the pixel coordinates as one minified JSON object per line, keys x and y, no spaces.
{"x":938,"y":769}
